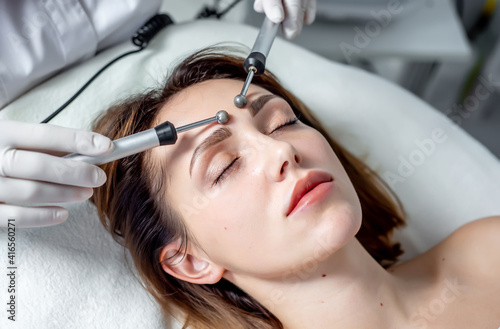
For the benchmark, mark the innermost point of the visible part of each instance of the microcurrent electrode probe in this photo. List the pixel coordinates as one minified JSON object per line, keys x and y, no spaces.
{"x":255,"y":64}
{"x":163,"y":134}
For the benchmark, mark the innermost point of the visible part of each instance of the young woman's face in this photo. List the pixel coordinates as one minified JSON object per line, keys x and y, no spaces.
{"x":241,"y":187}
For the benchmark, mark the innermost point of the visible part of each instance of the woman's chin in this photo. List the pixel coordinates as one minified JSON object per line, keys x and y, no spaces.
{"x":337,"y":226}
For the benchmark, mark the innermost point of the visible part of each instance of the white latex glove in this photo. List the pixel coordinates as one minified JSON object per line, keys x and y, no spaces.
{"x":293,"y":13}
{"x":31,"y":171}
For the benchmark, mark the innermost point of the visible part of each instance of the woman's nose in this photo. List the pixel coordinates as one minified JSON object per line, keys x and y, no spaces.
{"x":280,"y":158}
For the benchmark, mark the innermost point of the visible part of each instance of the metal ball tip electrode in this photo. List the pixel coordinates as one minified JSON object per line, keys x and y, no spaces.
{"x":240,"y":101}
{"x":222,"y":117}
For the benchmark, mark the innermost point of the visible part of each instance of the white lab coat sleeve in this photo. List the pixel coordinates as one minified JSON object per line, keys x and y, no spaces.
{"x":41,"y":37}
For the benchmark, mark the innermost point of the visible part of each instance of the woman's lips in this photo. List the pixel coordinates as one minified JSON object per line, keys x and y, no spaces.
{"x":308,"y":190}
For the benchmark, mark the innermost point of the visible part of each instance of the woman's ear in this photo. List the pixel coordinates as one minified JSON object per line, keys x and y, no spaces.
{"x":189,"y":266}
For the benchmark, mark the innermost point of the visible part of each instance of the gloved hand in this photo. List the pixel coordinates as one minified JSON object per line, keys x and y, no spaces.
{"x":31,"y":170}
{"x":293,"y":13}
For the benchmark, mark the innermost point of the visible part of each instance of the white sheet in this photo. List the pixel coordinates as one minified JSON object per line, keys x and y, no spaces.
{"x":73,"y":275}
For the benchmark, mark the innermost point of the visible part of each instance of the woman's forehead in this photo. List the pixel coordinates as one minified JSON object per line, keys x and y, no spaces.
{"x":203,"y":100}
{"x":199,"y":102}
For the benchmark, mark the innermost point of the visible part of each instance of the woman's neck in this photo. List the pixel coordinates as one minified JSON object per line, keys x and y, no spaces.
{"x":347,"y":289}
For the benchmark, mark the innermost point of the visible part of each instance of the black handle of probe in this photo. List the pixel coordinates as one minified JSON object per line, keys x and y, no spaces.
{"x":166,"y":133}
{"x":257,"y":60}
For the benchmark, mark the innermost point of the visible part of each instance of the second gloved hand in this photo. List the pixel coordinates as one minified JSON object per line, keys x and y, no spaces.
{"x":293,"y":13}
{"x":31,"y":171}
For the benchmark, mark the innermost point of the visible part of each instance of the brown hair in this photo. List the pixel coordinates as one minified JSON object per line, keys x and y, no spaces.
{"x":131,"y":205}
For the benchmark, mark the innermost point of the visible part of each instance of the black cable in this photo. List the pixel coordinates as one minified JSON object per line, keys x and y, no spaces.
{"x":210,"y":11}
{"x":147,"y":32}
{"x":228,"y":8}
{"x":62,"y":107}
{"x":141,"y":39}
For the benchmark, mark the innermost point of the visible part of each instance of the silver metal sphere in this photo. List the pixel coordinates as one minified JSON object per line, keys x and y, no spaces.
{"x":240,"y":101}
{"x":222,"y":116}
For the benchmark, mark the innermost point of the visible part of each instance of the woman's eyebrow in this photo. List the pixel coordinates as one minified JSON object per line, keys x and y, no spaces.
{"x":257,"y":104}
{"x":216,"y":137}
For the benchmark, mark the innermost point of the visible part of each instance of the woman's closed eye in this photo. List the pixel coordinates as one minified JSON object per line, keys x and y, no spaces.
{"x":226,"y":171}
{"x":233,"y":165}
{"x":288,"y":122}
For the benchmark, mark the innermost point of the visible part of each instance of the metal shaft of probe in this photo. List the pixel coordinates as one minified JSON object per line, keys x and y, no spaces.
{"x":248,"y":81}
{"x":196,"y":124}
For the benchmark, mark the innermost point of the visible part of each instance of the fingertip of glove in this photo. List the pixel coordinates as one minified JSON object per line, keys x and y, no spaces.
{"x":258,"y":6}
{"x":276,"y":14}
{"x":98,"y":177}
{"x":291,"y":32}
{"x":309,"y":17}
{"x":102,"y":143}
{"x":60,"y":216}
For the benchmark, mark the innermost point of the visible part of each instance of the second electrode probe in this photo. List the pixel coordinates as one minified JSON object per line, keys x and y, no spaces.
{"x":163,"y":134}
{"x":255,"y":64}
